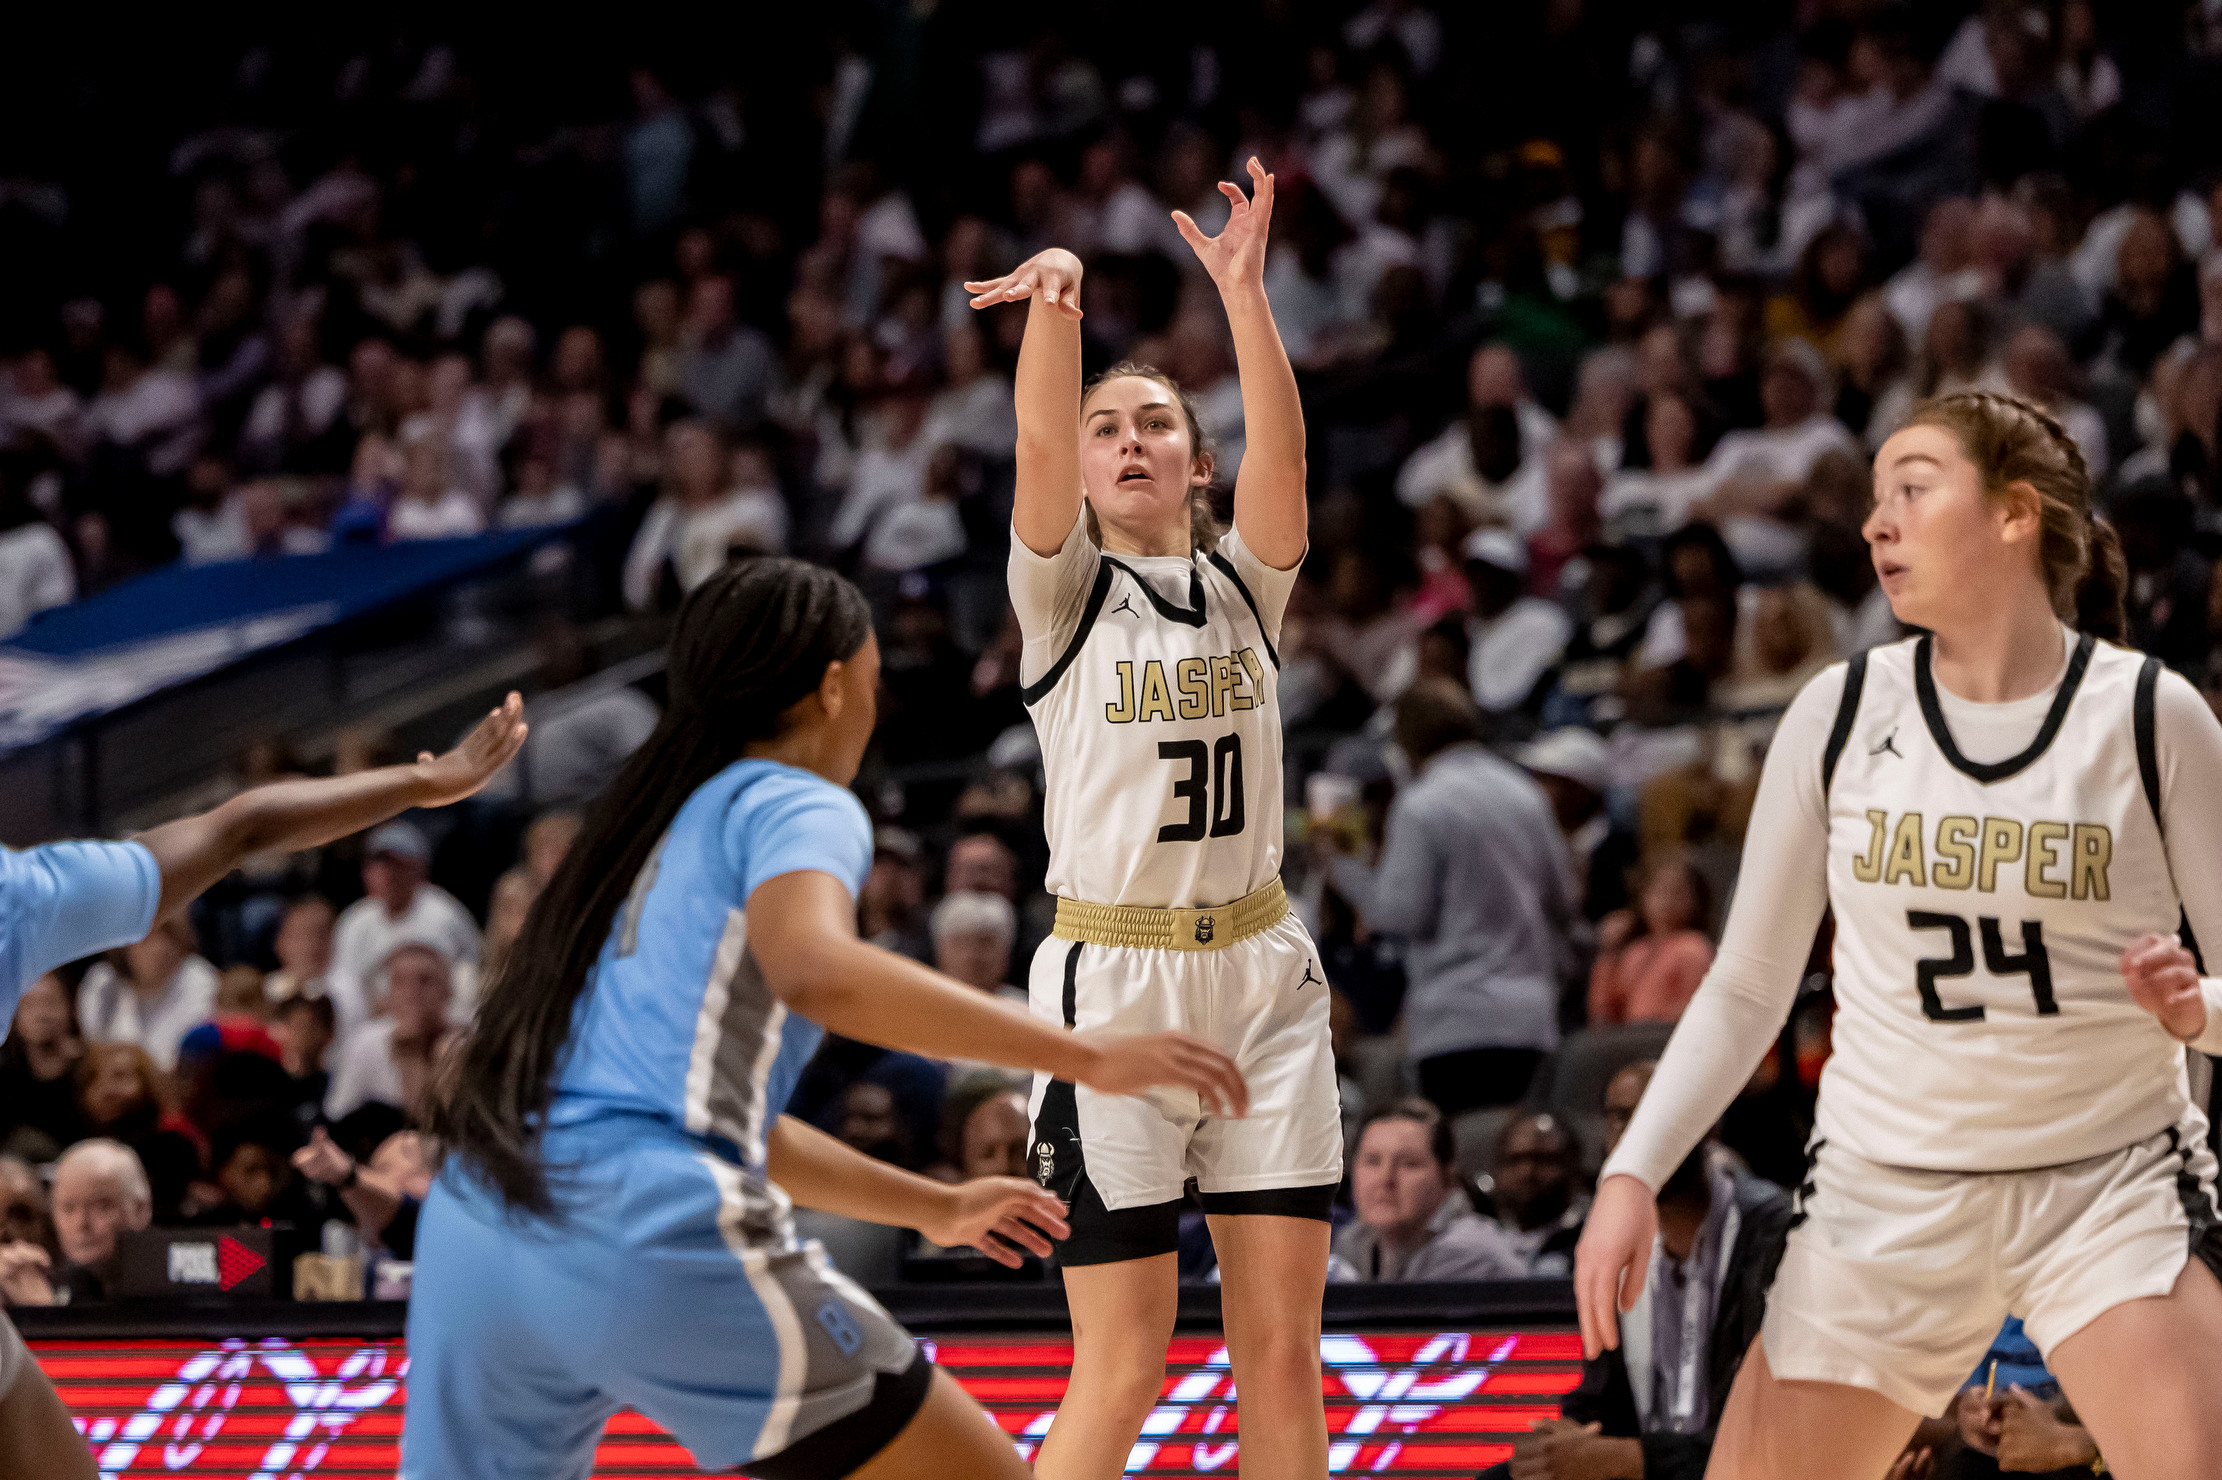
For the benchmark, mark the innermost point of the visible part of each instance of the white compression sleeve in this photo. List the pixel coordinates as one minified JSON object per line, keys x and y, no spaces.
{"x":1781,"y":892}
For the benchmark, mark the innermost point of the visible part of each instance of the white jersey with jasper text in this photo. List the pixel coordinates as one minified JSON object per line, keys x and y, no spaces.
{"x":1981,"y":913}
{"x":1152,"y":684}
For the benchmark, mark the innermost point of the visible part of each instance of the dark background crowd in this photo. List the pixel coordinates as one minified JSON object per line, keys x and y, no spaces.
{"x":1597,"y":310}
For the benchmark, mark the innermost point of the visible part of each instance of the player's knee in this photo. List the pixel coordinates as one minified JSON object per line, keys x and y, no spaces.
{"x":1127,"y":1384}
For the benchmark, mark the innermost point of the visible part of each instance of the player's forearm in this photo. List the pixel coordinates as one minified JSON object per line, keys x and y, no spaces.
{"x":1269,"y":489}
{"x":1046,"y":394}
{"x":194,"y":852}
{"x":860,"y":991}
{"x":820,"y":1172}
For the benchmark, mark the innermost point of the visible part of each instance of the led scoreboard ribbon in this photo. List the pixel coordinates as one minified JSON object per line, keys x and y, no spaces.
{"x":1398,"y":1402}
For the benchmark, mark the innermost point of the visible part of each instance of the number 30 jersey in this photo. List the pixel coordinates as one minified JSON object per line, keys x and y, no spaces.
{"x":1152,"y":682}
{"x":1982,"y":909}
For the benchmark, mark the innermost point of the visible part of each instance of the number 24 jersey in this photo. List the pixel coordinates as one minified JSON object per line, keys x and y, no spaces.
{"x":1982,"y":909}
{"x":1152,"y":682}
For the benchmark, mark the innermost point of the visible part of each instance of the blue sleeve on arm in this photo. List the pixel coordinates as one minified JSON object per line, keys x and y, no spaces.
{"x":64,"y":901}
{"x":783,"y":824}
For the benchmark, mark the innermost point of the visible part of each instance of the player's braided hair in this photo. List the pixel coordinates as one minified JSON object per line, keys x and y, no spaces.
{"x":747,"y":645}
{"x":2011,"y":440}
{"x":1203,"y":524}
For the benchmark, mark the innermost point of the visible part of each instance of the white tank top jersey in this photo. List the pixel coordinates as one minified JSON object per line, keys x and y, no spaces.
{"x":1981,"y":914}
{"x":1982,"y":907}
{"x":1152,"y":682}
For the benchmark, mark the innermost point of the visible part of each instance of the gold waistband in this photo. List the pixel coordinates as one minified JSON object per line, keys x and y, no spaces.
{"x":1148,"y":929}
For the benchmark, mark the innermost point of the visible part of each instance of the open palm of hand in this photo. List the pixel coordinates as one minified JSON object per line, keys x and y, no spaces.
{"x":1236,"y":256}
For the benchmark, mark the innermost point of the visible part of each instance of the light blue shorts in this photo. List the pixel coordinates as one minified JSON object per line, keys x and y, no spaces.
{"x":671,"y":1284}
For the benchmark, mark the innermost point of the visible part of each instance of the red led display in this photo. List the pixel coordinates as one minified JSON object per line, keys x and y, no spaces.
{"x":1398,"y":1403}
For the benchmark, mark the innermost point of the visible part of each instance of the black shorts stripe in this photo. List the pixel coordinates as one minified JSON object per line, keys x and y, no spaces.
{"x":1315,"y":1203}
{"x":846,"y":1446}
{"x":1033,"y":692}
{"x":2199,"y":1210}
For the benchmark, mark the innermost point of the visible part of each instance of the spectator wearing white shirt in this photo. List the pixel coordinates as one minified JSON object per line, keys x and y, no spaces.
{"x":693,"y":529}
{"x":1945,"y":272}
{"x":1515,"y":639}
{"x":36,"y":407}
{"x":150,"y":994}
{"x":539,"y":499}
{"x":390,"y":1060}
{"x":581,"y":732}
{"x":726,"y":368}
{"x":1647,"y":503}
{"x":1490,"y":461}
{"x":1753,"y":475}
{"x":887,"y":474}
{"x":398,"y":905}
{"x":36,"y":573}
{"x":430,"y":505}
{"x":153,"y":415}
{"x":915,"y":533}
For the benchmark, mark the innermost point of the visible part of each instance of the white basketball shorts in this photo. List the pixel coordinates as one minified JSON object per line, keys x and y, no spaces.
{"x":1897,"y":1280}
{"x":1122,"y":1162}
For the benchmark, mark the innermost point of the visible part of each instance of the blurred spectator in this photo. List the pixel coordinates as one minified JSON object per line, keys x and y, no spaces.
{"x":726,"y":368}
{"x":120,"y":1098}
{"x":303,"y":946}
{"x":398,"y":905}
{"x":1574,"y":768}
{"x":701,"y":519}
{"x":867,"y":1120}
{"x":391,"y":1058}
{"x":150,"y":994}
{"x":1415,"y":1222}
{"x":511,"y":902}
{"x":972,"y":937}
{"x":1515,"y":639}
{"x":994,"y":1137}
{"x":36,"y":574}
{"x":2169,"y":582}
{"x":38,"y":1064}
{"x":581,"y":731}
{"x":891,"y":910}
{"x":1572,"y":486}
{"x":100,"y":1193}
{"x":1874,"y":380}
{"x":1538,"y":1192}
{"x":1646,"y":502}
{"x":1649,"y":1408}
{"x":1651,"y":958}
{"x":973,"y":410}
{"x":305,"y":1029}
{"x":431,"y":504}
{"x":252,"y":1177}
{"x":1490,"y":461}
{"x":1474,"y":874}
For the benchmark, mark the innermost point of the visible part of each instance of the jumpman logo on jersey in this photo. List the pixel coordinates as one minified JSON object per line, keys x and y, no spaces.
{"x":1126,"y":604}
{"x":1308,"y":978}
{"x":1890,"y":744}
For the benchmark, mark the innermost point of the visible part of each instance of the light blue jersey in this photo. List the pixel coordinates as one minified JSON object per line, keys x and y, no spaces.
{"x":64,"y":901}
{"x":678,"y":1022}
{"x":671,"y":1280}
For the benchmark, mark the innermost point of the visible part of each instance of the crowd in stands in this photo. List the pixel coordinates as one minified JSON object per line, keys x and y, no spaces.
{"x":1597,"y":312}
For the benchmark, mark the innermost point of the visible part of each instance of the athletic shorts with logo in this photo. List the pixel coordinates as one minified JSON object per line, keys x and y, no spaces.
{"x":1122,"y":1162}
{"x":1896,"y":1280}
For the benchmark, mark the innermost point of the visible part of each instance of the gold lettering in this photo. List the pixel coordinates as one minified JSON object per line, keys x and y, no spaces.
{"x":1122,"y":713}
{"x":2093,"y":850}
{"x":1224,"y":676}
{"x":1955,"y":865}
{"x":1157,"y":703}
{"x":1906,"y":861}
{"x":1256,"y":693}
{"x":2042,"y":835}
{"x":1193,"y":676}
{"x":2001,"y":844}
{"x":1867,"y":870}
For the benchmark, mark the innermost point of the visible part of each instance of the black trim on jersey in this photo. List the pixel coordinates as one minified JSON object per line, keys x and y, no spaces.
{"x":1033,"y":692}
{"x":1925,"y":686}
{"x":1190,"y":616}
{"x":2148,"y":747}
{"x":1072,"y":984}
{"x":1226,"y":568}
{"x":2148,"y":771}
{"x":1847,"y":710}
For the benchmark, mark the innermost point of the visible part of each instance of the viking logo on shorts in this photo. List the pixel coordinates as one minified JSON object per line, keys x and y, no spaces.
{"x":1204,"y":924}
{"x":1045,"y":1162}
